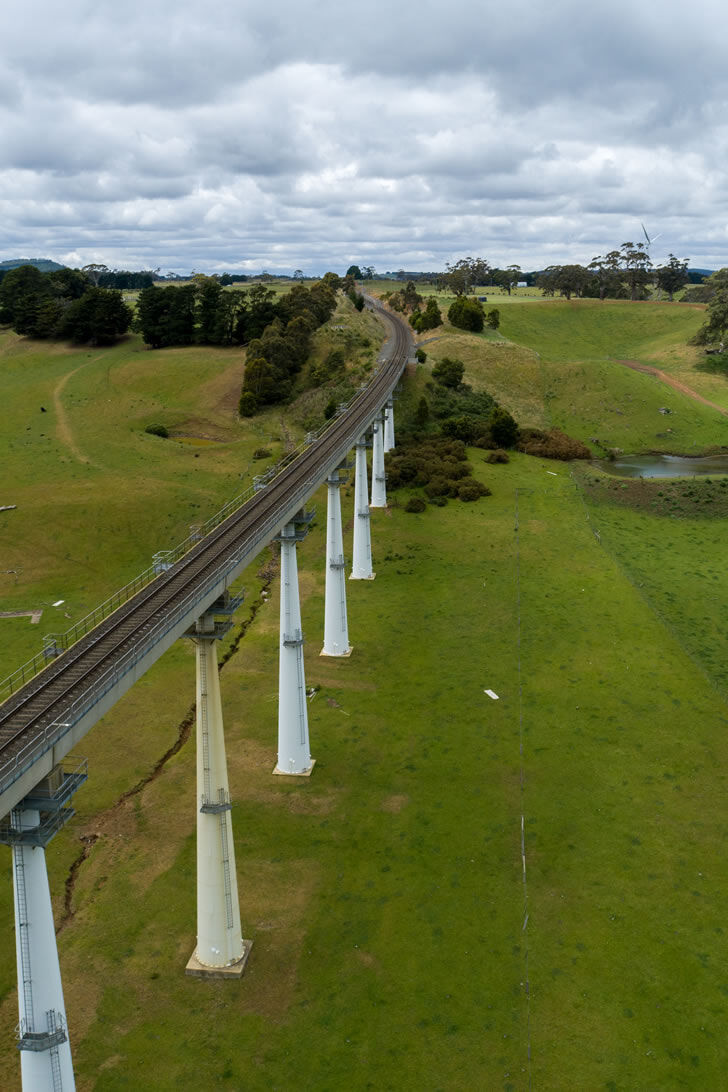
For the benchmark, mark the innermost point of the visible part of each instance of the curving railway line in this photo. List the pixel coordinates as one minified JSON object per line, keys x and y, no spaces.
{"x":42,"y":721}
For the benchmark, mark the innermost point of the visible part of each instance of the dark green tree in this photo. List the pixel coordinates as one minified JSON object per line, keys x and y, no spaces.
{"x":606,"y":273}
{"x":256,"y":311}
{"x":503,"y":428}
{"x":98,"y":317}
{"x":23,"y":281}
{"x":449,"y":373}
{"x":466,"y":314}
{"x":636,"y":268}
{"x":422,"y":413}
{"x":714,"y":329}
{"x":209,"y":293}
{"x":68,"y":284}
{"x":672,"y":276}
{"x":567,"y":280}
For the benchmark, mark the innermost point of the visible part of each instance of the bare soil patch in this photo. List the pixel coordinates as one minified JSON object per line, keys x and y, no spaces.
{"x":670,"y":380}
{"x":63,"y":428}
{"x":394,"y":804}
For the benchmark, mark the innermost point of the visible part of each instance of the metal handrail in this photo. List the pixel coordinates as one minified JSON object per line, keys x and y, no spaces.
{"x":60,"y":642}
{"x":108,"y":679}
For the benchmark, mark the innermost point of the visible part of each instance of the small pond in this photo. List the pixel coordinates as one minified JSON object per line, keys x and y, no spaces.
{"x":663,"y":466}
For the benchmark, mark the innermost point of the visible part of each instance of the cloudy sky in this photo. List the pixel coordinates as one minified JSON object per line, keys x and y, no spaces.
{"x":245,"y":135}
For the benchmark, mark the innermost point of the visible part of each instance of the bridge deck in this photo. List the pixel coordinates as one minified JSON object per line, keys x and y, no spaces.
{"x":43,"y":720}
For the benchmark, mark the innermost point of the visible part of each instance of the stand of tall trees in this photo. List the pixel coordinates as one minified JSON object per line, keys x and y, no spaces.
{"x":276,"y":354}
{"x":624,"y":273}
{"x":621,"y":274}
{"x":62,"y":304}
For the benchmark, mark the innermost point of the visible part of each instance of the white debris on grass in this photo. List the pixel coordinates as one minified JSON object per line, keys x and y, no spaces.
{"x":59,"y":602}
{"x":491,"y":694}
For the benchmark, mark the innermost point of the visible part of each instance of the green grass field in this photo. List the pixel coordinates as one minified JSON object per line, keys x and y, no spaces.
{"x":467,"y":893}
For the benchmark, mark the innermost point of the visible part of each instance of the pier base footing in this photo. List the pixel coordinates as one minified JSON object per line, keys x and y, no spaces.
{"x":235,"y":970}
{"x":303,"y":773}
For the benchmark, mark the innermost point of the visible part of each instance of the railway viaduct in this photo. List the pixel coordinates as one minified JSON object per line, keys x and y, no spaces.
{"x":52,"y":702}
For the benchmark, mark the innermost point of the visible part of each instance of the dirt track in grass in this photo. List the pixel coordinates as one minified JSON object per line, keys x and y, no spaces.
{"x":672,"y":382}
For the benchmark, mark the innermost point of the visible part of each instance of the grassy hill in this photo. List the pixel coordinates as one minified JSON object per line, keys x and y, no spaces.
{"x":468,"y":892}
{"x":45,"y":265}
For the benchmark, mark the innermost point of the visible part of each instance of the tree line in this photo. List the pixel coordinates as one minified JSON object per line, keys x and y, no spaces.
{"x":714,"y":330}
{"x":624,"y":273}
{"x":62,"y":304}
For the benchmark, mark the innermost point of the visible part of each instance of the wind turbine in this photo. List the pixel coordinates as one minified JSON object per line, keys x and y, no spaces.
{"x":653,"y":239}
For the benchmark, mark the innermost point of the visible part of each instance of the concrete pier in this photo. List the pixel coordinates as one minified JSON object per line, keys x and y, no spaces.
{"x":389,"y":441}
{"x":43,"y":1042}
{"x":379,"y":481}
{"x":361,"y":568}
{"x":221,"y":950}
{"x":336,"y":630}
{"x":294,"y":753}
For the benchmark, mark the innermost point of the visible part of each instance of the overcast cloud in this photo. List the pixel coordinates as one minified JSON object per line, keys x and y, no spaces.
{"x":248,"y":136}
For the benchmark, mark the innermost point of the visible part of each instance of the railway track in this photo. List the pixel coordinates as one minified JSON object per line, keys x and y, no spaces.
{"x":44,"y":708}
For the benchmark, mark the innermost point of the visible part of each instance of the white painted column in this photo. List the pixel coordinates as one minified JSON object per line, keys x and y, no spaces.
{"x":221,"y":950}
{"x":45,"y":1050}
{"x":389,"y":442}
{"x":336,"y":630}
{"x":379,"y":487}
{"x":362,"y":549}
{"x":294,"y":754}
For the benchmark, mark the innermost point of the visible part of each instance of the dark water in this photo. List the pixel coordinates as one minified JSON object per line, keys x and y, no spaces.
{"x":663,"y":466}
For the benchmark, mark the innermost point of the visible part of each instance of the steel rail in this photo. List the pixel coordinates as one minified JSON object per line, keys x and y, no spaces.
{"x":80,"y":676}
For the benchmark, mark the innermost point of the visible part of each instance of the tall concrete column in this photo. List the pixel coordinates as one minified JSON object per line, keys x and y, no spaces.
{"x":45,"y":1050}
{"x":362,"y":549}
{"x":379,"y":486}
{"x":221,"y":951}
{"x":294,"y":754}
{"x":389,"y":442}
{"x":336,"y":630}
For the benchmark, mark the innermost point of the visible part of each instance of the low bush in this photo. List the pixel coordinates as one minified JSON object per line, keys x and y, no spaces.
{"x":261,"y":453}
{"x":551,"y":444}
{"x":497,"y":456}
{"x":439,"y":464}
{"x":415,"y":504}
{"x":248,"y":404}
{"x":503,"y":428}
{"x":472,"y":490}
{"x":157,"y":430}
{"x":467,"y":314}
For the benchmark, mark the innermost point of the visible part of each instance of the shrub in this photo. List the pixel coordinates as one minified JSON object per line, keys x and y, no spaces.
{"x":449,"y":373}
{"x":261,"y":453}
{"x":440,"y":502}
{"x":420,"y":356}
{"x":467,"y":314}
{"x":157,"y":430}
{"x":493,"y":318}
{"x":437,"y":487}
{"x":248,"y":404}
{"x":551,"y":444}
{"x":503,"y":428}
{"x":497,"y":456}
{"x":415,"y":504}
{"x":464,"y":428}
{"x":471,"y":490}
